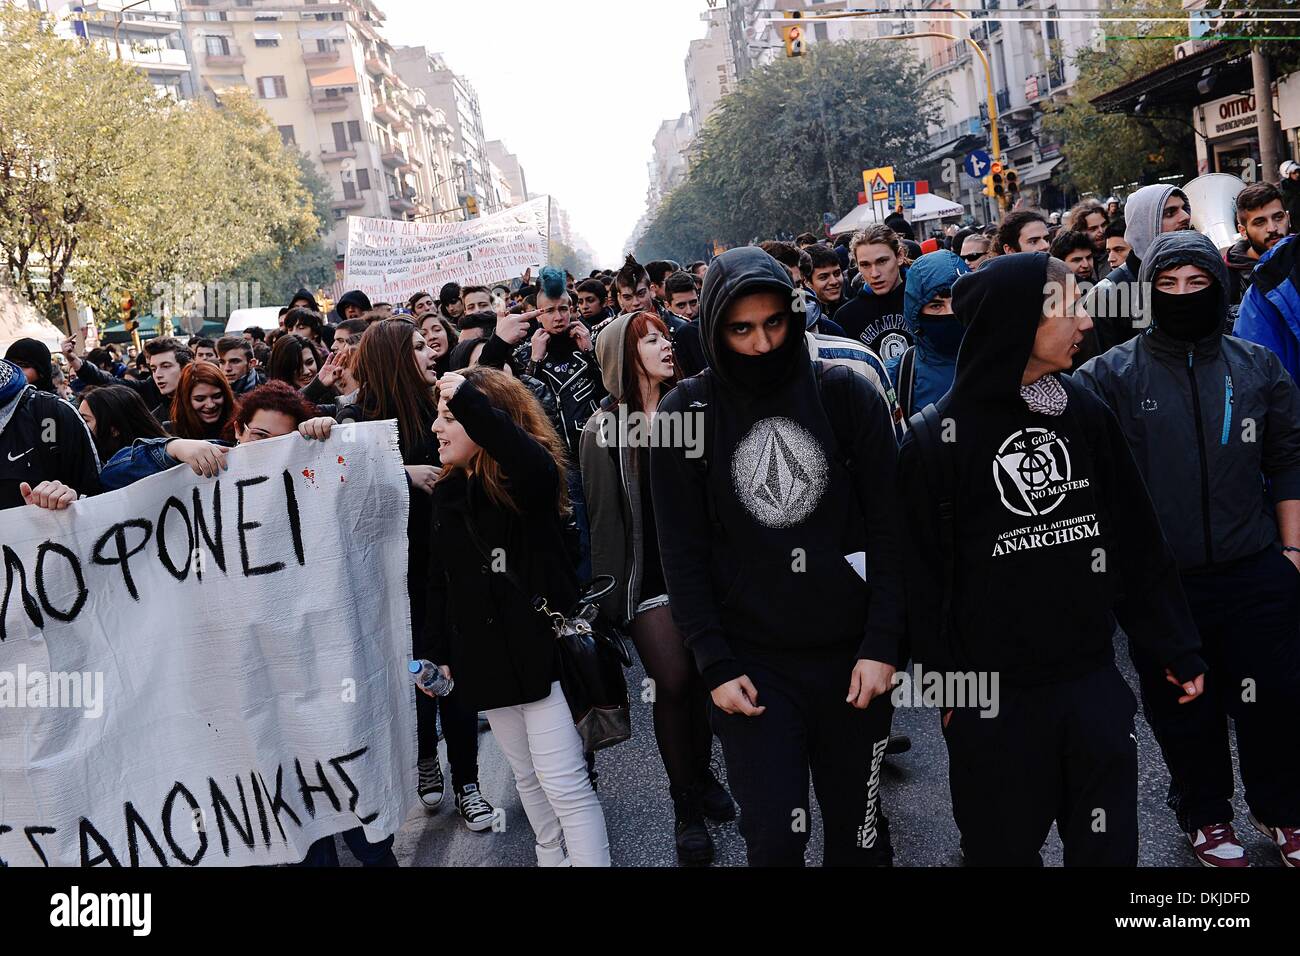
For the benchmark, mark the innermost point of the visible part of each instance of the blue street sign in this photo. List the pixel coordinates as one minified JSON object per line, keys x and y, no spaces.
{"x":828,"y":218}
{"x":977,"y":164}
{"x":903,"y":193}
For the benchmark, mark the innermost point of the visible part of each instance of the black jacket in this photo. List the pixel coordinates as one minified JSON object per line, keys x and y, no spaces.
{"x":754,"y":535}
{"x":574,"y":377}
{"x":89,"y":374}
{"x":27,"y":455}
{"x":1055,"y":534}
{"x":1212,"y":423}
{"x":500,"y":649}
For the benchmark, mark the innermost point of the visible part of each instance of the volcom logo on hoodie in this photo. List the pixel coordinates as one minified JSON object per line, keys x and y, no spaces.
{"x":779,"y":472}
{"x":1032,"y":472}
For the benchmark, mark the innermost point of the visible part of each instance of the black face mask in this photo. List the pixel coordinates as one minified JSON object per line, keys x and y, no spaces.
{"x":761,"y":373}
{"x":1187,"y":317}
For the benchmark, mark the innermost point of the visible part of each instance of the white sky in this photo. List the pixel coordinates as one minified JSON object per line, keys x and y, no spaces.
{"x":537,"y":65}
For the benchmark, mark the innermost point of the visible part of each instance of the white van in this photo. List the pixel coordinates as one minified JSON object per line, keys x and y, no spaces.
{"x":267,"y":318}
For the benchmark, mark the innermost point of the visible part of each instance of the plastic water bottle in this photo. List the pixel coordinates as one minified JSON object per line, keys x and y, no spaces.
{"x":429,"y":678}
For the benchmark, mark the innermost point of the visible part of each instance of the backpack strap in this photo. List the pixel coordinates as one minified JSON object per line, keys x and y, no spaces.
{"x":907,"y":380}
{"x":927,"y":429}
{"x":698,"y":390}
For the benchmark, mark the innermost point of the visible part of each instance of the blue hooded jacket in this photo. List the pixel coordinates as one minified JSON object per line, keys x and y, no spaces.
{"x":933,"y":359}
{"x":1270,"y":312}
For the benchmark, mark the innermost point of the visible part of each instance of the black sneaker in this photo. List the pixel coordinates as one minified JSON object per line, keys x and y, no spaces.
{"x":694,"y":845}
{"x":474,"y":808}
{"x":713,"y":797}
{"x":430,"y":788}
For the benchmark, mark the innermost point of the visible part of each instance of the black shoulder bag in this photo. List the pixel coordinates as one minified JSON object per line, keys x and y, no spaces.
{"x":591,"y":658}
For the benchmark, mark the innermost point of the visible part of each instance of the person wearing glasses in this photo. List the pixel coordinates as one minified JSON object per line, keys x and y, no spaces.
{"x":975,"y":250}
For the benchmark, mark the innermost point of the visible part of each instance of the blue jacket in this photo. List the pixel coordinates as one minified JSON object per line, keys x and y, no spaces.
{"x":933,"y":359}
{"x":1270,"y":312}
{"x":140,"y":459}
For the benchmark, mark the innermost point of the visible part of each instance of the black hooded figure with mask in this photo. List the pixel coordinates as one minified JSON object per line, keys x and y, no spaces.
{"x":1213,"y":420}
{"x":1019,"y":564}
{"x":763,"y":521}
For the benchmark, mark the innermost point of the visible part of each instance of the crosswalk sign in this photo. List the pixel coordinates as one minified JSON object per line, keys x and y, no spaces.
{"x":876,"y":182}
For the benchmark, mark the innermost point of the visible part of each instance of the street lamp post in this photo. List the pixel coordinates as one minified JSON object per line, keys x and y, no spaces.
{"x":117,"y":45}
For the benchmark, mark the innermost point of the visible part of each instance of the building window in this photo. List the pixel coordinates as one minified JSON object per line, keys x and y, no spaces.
{"x":349,"y":190}
{"x":354,"y":131}
{"x":286,"y":135}
{"x":363,"y":179}
{"x":271,"y":87}
{"x":216,"y":46}
{"x":340,"y":137}
{"x":266,"y":41}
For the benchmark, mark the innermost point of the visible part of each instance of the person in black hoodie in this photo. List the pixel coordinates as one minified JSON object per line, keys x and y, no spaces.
{"x":352,"y":305}
{"x":759,"y":537}
{"x":498,"y":518}
{"x":33,"y":358}
{"x":1031,"y":531}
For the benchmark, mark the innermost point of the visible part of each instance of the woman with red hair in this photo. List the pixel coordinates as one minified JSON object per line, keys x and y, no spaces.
{"x":203,"y":404}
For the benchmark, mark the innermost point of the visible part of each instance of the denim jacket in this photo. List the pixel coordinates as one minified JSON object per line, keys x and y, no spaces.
{"x":140,"y":459}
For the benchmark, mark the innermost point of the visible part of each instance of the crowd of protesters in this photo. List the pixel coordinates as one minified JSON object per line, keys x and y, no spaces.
{"x":982,"y":453}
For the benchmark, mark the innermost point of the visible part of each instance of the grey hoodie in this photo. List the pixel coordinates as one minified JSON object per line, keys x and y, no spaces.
{"x":1208,"y":422}
{"x":1116,"y":303}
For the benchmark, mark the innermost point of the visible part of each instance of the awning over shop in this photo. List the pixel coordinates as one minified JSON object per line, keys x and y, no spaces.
{"x":1038,"y":172}
{"x":928,"y":207}
{"x":1213,"y":72}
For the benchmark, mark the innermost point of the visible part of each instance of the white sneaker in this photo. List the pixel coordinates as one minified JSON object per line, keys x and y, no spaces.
{"x":1286,"y":839}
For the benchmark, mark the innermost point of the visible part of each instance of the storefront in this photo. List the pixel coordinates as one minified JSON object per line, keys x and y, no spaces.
{"x":1228,"y":136}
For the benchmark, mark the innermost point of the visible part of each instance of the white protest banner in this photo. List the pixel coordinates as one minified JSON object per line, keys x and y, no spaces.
{"x":210,"y":671}
{"x":391,"y":260}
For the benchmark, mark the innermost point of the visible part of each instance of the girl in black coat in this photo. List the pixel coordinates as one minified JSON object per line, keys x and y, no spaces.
{"x":499,"y":509}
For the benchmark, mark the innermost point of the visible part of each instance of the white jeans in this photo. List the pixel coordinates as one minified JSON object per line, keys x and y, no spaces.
{"x":545,"y":753}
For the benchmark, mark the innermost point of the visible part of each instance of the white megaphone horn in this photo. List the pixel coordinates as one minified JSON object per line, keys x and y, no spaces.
{"x":1213,"y":199}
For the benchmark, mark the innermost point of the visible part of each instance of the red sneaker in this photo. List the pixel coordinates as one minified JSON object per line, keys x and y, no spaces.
{"x":1217,"y":846}
{"x":1286,"y":839}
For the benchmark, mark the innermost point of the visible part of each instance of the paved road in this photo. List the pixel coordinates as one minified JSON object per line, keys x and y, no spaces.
{"x":633,"y":791}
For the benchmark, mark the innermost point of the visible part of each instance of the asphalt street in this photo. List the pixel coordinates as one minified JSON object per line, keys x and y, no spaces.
{"x":634,"y":793}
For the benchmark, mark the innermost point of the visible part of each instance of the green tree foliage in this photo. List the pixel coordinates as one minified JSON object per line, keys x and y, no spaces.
{"x":1280,"y":40}
{"x":791,"y":143}
{"x":108,"y":189}
{"x":1109,"y":150}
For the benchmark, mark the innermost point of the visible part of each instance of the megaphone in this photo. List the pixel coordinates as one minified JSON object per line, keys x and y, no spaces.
{"x":1213,"y":199}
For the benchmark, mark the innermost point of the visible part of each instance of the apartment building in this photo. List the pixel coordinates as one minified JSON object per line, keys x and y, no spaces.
{"x":150,"y":36}
{"x":510,"y":169}
{"x":452,"y":94}
{"x":710,"y":74}
{"x":325,"y":74}
{"x":668,"y":165}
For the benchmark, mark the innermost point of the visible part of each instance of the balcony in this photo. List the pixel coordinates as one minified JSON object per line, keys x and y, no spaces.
{"x":233,"y":56}
{"x":949,"y":57}
{"x":387,"y":112}
{"x":1004,"y":101}
{"x":377,"y":66}
{"x":334,"y":155}
{"x":357,"y":202}
{"x":394,"y":156}
{"x":330,"y":104}
{"x":401,"y":203}
{"x":313,"y":54}
{"x":413,"y":164}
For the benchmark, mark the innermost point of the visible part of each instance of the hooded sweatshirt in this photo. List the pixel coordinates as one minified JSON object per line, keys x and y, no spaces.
{"x":1241,"y":266}
{"x":938,"y":337}
{"x":877,"y":320}
{"x":1054,"y":534}
{"x":37,"y":355}
{"x":1115,"y":303}
{"x":754,"y":532}
{"x":355,"y":297}
{"x":1209,"y":417}
{"x":616,"y":483}
{"x":311,"y":299}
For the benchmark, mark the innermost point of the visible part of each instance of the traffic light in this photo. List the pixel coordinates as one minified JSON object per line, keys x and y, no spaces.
{"x":995,"y":174}
{"x":793,"y":35}
{"x":126,"y":311}
{"x":988,"y":185}
{"x":1013,"y":184}
{"x":471,"y":206}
